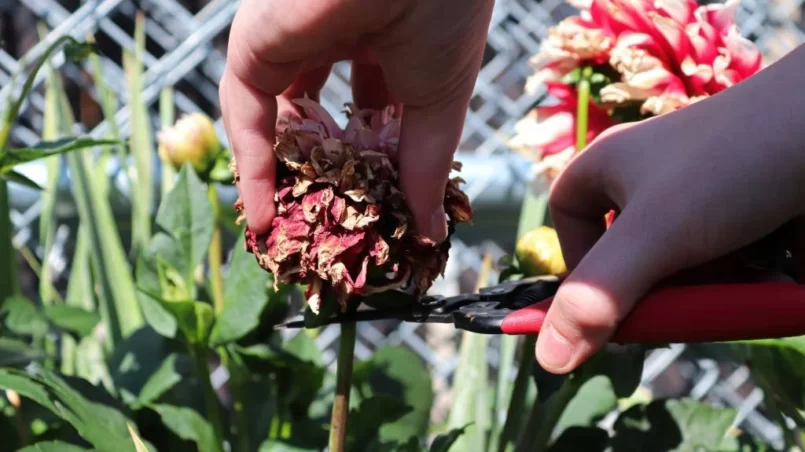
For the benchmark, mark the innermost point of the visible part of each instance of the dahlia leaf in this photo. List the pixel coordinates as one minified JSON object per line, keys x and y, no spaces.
{"x":193,"y":318}
{"x":89,"y":409}
{"x":72,"y":318}
{"x":186,"y":214}
{"x":173,"y":370}
{"x":10,"y":158}
{"x":591,"y":439}
{"x":444,"y":441}
{"x":675,"y":424}
{"x":246,"y":295}
{"x":397,"y":372}
{"x":53,"y":446}
{"x":189,"y":425}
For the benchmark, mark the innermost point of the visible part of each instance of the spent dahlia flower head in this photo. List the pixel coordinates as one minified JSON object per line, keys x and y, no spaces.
{"x":342,"y":225}
{"x":668,"y":53}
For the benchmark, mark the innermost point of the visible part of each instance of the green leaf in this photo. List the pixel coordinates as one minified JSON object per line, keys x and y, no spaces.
{"x":73,"y":318}
{"x":186,"y":214}
{"x":246,"y":295}
{"x":588,"y":439}
{"x":173,"y":370}
{"x":101,"y":425}
{"x":21,"y":316}
{"x":220,"y":171}
{"x":444,"y":441}
{"x":533,"y":212}
{"x":471,"y":399}
{"x":684,"y":425}
{"x":271,"y":445}
{"x":19,"y":178}
{"x":79,"y":51}
{"x":118,"y":302}
{"x":51,"y":130}
{"x":141,"y":139}
{"x":397,"y":372}
{"x":189,"y":425}
{"x":53,"y":446}
{"x":17,"y":353}
{"x":137,"y":359}
{"x":366,"y":421}
{"x":10,"y":158}
{"x":591,"y":403}
{"x":194,"y":318}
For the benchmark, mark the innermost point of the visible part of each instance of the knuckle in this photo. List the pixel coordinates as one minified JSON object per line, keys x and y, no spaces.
{"x":582,"y":310}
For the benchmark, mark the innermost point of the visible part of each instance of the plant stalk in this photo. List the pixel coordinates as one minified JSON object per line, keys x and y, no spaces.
{"x":338,"y":420}
{"x":517,"y":401}
{"x":210,"y":397}
{"x":582,"y":109}
{"x":9,"y":283}
{"x":214,"y":255}
{"x":543,"y":418}
{"x":238,"y":382}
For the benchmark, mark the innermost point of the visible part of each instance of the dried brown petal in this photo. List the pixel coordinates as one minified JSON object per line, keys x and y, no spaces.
{"x":342,"y":225}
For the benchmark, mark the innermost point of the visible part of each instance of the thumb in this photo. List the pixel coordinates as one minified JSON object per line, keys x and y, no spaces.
{"x":628,"y":259}
{"x":429,"y":136}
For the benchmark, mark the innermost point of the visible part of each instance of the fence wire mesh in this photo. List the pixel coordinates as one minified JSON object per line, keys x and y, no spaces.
{"x":186,"y":48}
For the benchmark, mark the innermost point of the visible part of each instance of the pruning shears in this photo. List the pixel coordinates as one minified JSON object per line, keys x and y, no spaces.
{"x":669,"y":314}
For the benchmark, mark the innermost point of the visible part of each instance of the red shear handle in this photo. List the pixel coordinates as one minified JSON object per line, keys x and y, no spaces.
{"x":703,"y":313}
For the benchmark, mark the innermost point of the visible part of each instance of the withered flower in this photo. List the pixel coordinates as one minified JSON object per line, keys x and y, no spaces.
{"x":342,"y":225}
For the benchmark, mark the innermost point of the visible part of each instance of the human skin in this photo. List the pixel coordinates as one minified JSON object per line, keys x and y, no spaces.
{"x":420,"y":54}
{"x":690,"y":186}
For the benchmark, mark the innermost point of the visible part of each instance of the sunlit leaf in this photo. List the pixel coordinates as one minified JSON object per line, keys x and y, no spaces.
{"x":246,"y":295}
{"x":101,"y":425}
{"x":21,"y":316}
{"x":668,"y":424}
{"x":72,"y":318}
{"x":19,"y":178}
{"x":189,"y":425}
{"x":53,"y":446}
{"x":173,"y":370}
{"x":12,"y":157}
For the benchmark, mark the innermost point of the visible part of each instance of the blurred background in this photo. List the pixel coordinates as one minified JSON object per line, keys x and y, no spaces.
{"x":186,"y":48}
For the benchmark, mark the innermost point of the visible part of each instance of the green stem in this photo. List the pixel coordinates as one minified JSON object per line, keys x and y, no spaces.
{"x":9,"y":283}
{"x":237,"y":381}
{"x":167,"y":115}
{"x":214,"y":254}
{"x":517,"y":402}
{"x":543,"y":419}
{"x":582,"y":108}
{"x":338,"y":420}
{"x":210,"y":397}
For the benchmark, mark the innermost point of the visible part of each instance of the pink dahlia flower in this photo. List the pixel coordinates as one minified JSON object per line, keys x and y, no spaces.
{"x":548,"y":133}
{"x":669,"y":53}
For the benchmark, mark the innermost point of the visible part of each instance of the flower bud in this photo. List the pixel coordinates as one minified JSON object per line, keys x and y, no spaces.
{"x":538,"y":252}
{"x":192,"y":139}
{"x":13,"y":398}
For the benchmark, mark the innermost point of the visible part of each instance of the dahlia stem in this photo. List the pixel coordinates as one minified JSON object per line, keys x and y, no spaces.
{"x":338,"y":420}
{"x":582,"y":108}
{"x":543,"y":418}
{"x":199,"y":356}
{"x":518,"y":402}
{"x":214,"y":253}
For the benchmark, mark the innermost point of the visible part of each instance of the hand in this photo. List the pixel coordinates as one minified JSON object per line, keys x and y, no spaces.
{"x":689,"y":186}
{"x":422,"y":54}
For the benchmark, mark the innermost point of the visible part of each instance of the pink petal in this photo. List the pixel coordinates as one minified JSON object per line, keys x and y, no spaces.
{"x":316,"y":112}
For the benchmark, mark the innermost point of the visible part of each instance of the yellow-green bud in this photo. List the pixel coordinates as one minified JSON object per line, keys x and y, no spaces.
{"x":192,"y":139}
{"x":539,"y":253}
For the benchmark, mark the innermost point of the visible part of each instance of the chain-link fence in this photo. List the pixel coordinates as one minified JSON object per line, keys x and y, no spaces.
{"x":186,"y":44}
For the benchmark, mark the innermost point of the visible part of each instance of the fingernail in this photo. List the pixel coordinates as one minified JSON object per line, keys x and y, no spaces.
{"x":437,"y":226}
{"x":553,"y":350}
